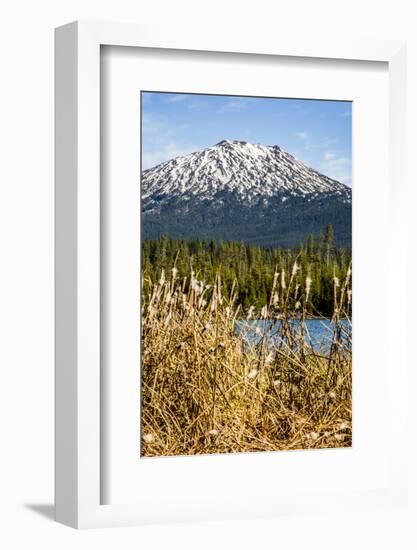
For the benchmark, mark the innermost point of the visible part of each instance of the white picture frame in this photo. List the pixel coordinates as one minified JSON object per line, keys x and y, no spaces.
{"x":78,"y":321}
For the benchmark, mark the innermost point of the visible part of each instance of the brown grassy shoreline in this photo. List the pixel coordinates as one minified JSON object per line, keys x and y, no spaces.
{"x":206,"y":389}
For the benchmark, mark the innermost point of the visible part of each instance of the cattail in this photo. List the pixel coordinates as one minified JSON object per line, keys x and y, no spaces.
{"x":308,"y":287}
{"x":297,"y":288}
{"x":348,"y":274}
{"x":250,"y":313}
{"x":349,"y":296}
{"x":274,"y":282}
{"x":174,"y":272}
{"x":264,"y":312}
{"x":336,"y":281}
{"x":297,"y":305}
{"x":148,"y":438}
{"x":295,"y":268}
{"x":276,"y":299}
{"x":269,"y":358}
{"x":198,"y":288}
{"x":283,"y":284}
{"x":162,"y":279}
{"x":219,"y":292}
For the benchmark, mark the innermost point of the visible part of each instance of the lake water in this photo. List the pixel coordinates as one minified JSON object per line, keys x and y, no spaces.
{"x":319,"y":332}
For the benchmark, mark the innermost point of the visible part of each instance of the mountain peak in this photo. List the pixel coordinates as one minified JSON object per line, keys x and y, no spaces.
{"x":250,"y":171}
{"x":225,"y":142}
{"x":236,"y":190}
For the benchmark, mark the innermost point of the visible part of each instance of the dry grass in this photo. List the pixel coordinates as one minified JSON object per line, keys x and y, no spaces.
{"x":208,"y":389}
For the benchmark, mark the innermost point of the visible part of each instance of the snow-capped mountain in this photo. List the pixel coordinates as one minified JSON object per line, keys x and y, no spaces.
{"x":242,"y":191}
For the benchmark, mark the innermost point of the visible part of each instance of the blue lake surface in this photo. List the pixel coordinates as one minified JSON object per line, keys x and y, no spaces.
{"x":319,"y":332}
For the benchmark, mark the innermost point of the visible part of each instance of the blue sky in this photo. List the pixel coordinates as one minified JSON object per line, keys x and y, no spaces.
{"x":318,"y":133}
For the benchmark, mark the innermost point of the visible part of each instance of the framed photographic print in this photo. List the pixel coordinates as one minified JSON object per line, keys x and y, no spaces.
{"x":246,"y":274}
{"x":221,"y":318}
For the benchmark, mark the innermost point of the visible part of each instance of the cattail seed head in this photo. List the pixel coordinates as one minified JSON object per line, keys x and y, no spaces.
{"x":297,"y":288}
{"x":283,"y":283}
{"x":349,"y":296}
{"x":250,"y":313}
{"x":348,"y":274}
{"x":269,"y":358}
{"x":148,"y":438}
{"x":308,"y":286}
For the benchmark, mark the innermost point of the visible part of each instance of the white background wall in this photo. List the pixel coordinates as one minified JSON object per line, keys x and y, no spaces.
{"x":26,"y":269}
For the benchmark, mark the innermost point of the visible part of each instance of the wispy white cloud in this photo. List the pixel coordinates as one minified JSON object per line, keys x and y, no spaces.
{"x":235,"y":104}
{"x":160,"y":141}
{"x":155,"y":127}
{"x":323,"y":144}
{"x":198,"y":104}
{"x":177,"y":98}
{"x":346,"y":113}
{"x":167,"y":152}
{"x":302,"y":135}
{"x":336,"y":166}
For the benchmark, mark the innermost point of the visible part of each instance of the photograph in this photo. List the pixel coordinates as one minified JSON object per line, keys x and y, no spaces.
{"x":246,"y":273}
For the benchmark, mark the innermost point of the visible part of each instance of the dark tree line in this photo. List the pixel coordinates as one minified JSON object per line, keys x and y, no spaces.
{"x":252,"y":266}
